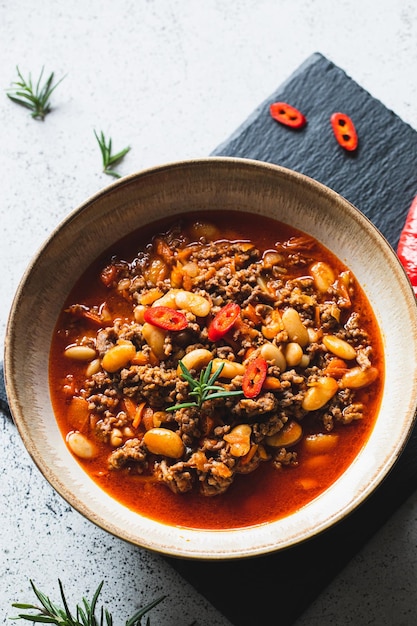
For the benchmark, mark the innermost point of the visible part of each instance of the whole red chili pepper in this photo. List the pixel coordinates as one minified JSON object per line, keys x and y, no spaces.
{"x":287,"y":115}
{"x":254,"y":377}
{"x":223,"y":321}
{"x":166,"y":318}
{"x":344,"y":130}
{"x":407,"y":245}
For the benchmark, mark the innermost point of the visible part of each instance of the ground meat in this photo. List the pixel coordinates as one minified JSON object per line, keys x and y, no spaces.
{"x":156,"y":384}
{"x":177,"y":476}
{"x":188,"y":420}
{"x":132,"y":453}
{"x":353,"y":326}
{"x":105,"y":339}
{"x":363,"y":357}
{"x":101,"y":402}
{"x":149,"y":389}
{"x":215,"y":479}
{"x":271,"y":426}
{"x":282,"y":457}
{"x":352,"y":412}
{"x":249,"y":408}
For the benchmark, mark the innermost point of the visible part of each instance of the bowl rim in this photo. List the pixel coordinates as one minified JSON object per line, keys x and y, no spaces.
{"x":184,"y":550}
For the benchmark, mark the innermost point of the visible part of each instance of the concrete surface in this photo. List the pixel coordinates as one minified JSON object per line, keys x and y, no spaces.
{"x":172,"y":79}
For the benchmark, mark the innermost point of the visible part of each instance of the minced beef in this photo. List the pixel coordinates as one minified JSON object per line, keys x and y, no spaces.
{"x":233,"y":433}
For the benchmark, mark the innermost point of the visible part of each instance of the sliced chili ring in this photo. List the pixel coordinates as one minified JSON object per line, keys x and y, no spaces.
{"x":344,"y":130}
{"x":223,"y":321}
{"x":166,"y":318}
{"x":287,"y":115}
{"x":254,"y":377}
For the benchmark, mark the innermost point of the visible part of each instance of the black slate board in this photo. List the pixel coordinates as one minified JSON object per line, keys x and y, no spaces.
{"x":381,"y":180}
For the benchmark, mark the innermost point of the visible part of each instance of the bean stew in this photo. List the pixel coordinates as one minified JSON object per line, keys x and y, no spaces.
{"x":216,"y":373}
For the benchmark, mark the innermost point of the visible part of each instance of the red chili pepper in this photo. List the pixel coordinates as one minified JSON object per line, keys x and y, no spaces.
{"x":407,"y":245}
{"x":287,"y":115}
{"x":344,"y":130}
{"x":254,"y":377}
{"x":223,"y":321}
{"x":166,"y":318}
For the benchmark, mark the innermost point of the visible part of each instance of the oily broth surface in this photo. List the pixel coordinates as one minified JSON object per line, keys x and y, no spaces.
{"x":264,"y":495}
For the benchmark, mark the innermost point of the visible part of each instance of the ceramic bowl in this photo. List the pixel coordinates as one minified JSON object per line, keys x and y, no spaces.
{"x":203,"y":185}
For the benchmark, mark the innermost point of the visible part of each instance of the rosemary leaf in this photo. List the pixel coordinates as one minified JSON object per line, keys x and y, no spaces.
{"x":36,"y":99}
{"x":135,"y":619}
{"x":119,"y":156}
{"x":204,"y":388}
{"x":49,"y":613}
{"x":107,"y":157}
{"x":224,"y":394}
{"x":64,"y":600}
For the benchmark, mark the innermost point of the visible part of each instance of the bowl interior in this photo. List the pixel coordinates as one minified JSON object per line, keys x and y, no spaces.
{"x":204,"y":185}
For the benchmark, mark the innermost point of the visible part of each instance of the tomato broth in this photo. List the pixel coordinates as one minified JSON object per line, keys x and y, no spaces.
{"x":282,"y":481}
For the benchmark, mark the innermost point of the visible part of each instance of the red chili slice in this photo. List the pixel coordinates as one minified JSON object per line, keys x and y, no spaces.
{"x":344,"y":130}
{"x":223,"y":321}
{"x":166,"y":318}
{"x":254,"y":377}
{"x":407,"y":245}
{"x":287,"y":115}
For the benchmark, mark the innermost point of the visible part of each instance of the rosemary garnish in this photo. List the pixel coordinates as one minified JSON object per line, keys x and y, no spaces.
{"x":33,"y":97}
{"x":108,"y":158}
{"x":202,"y":387}
{"x":85,"y":614}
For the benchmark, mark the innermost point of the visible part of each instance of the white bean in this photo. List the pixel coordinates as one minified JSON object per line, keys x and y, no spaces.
{"x":293,"y":354}
{"x":118,"y":356}
{"x":193,"y":302}
{"x":358,"y":377}
{"x":164,"y":442}
{"x":93,"y":367}
{"x":81,"y":446}
{"x":230,"y":368}
{"x":80,"y":353}
{"x":139,"y":313}
{"x":195,"y":359}
{"x":168,"y":299}
{"x":339,"y":347}
{"x":320,"y":393}
{"x":116,"y":437}
{"x":323,"y":276}
{"x":294,"y":326}
{"x":320,"y":443}
{"x":270,"y":352}
{"x":155,"y":338}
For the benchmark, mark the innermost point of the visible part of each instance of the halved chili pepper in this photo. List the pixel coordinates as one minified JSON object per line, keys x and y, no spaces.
{"x":223,"y":321}
{"x":344,"y":130}
{"x":287,"y":115}
{"x":166,"y":318}
{"x":254,"y":377}
{"x":407,"y":245}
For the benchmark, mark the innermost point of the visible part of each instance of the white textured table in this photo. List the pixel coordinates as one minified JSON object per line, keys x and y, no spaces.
{"x":172,"y":79}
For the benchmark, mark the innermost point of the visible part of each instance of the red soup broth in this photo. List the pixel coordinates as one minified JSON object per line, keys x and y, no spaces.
{"x":264,"y":495}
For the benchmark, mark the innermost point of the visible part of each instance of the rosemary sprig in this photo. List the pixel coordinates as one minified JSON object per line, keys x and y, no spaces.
{"x":203,"y":388}
{"x":34,"y":97}
{"x":108,"y":158}
{"x":85,"y":614}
